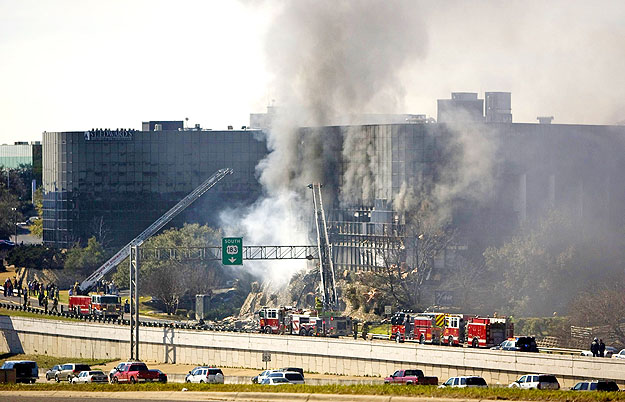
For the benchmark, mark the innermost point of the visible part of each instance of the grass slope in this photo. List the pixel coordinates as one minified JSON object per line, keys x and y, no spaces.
{"x":420,"y":391}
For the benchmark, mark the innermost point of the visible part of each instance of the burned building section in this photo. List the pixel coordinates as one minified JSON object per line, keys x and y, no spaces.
{"x":486,"y":177}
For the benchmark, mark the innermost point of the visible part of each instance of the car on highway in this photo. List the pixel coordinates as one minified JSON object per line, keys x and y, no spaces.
{"x":291,"y":376}
{"x":619,"y":355}
{"x":464,"y":382}
{"x":257,"y":379}
{"x":518,"y":344}
{"x":296,"y":369}
{"x":90,"y":377}
{"x":205,"y":374}
{"x":26,"y":371}
{"x":117,"y":368}
{"x":536,"y":381}
{"x":162,"y":377}
{"x":51,"y":372}
{"x":135,"y":372}
{"x":70,"y":370}
{"x":597,"y":385}
{"x":275,"y":381}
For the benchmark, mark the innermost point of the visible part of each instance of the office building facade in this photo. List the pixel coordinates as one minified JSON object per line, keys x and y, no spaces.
{"x":120,"y":181}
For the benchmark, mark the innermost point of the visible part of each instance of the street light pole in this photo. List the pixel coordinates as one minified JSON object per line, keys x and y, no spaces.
{"x":15,"y":222}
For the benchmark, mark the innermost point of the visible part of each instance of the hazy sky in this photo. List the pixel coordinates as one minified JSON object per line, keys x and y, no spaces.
{"x":74,"y":65}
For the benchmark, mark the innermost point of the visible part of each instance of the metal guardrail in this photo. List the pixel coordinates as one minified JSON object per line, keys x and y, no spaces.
{"x":214,"y":253}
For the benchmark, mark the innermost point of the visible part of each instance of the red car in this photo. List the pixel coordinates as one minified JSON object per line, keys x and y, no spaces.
{"x":135,"y":372}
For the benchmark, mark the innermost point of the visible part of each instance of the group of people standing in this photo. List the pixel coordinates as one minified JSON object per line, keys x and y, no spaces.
{"x":9,"y":285}
{"x":597,"y":347}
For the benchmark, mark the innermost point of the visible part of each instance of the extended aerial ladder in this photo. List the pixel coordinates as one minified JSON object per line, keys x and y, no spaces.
{"x":99,"y":273}
{"x":326,"y":267}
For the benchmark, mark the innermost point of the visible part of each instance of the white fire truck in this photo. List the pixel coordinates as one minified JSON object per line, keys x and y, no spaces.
{"x":486,"y":332}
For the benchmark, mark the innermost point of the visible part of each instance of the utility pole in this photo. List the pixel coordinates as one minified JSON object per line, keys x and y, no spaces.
{"x":134,"y":302}
{"x":14,"y":209}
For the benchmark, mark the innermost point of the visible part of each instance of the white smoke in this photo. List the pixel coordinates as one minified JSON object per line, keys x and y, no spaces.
{"x":329,"y":59}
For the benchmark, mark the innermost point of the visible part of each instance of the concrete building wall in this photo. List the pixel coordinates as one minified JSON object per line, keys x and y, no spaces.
{"x":321,"y":355}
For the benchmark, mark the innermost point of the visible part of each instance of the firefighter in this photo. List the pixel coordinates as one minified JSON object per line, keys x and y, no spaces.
{"x":365,"y":330}
{"x":594,"y":347}
{"x":55,"y":305}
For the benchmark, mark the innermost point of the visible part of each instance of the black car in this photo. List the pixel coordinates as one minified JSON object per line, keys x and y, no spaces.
{"x":162,"y":377}
{"x":601,"y":385}
{"x":519,"y":344}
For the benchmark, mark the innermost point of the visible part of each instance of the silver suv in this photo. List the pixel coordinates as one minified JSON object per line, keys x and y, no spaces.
{"x":69,"y":370}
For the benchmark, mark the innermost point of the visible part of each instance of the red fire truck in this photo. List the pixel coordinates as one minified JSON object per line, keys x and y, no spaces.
{"x":97,"y":304}
{"x":286,"y":320}
{"x":426,"y":330}
{"x":488,"y":331}
{"x":452,"y":325}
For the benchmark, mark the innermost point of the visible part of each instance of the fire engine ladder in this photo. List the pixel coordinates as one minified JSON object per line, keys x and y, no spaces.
{"x":99,"y":273}
{"x":326,"y":267}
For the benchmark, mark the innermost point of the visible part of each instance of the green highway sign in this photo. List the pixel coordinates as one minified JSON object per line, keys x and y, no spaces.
{"x":232,"y":250}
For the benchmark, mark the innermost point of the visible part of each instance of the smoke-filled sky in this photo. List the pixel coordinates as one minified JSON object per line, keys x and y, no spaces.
{"x":78,"y":64}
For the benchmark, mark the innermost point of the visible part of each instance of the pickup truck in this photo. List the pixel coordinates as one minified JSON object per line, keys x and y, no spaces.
{"x":135,"y":372}
{"x":410,"y":377}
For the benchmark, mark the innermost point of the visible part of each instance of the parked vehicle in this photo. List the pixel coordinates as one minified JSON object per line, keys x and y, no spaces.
{"x":291,"y":376}
{"x":117,"y":368}
{"x":296,"y":369}
{"x":265,"y":374}
{"x":26,"y":371}
{"x":536,"y":381}
{"x":275,"y":381}
{"x":410,"y":377}
{"x":287,"y":320}
{"x":464,"y":382}
{"x":486,"y":332}
{"x":97,"y":305}
{"x":6,"y":244}
{"x":135,"y":372}
{"x":51,"y":372}
{"x":162,"y":377}
{"x":519,"y":344}
{"x":619,"y":355}
{"x":88,"y":377}
{"x":205,"y":374}
{"x":69,"y":370}
{"x":600,"y":385}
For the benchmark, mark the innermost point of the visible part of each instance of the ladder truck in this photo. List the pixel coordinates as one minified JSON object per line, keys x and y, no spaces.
{"x":326,"y":267}
{"x":99,"y":273}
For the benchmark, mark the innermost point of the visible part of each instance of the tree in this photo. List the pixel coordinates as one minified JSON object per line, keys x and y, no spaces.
{"x":601,"y":306}
{"x":539,"y":271}
{"x":408,"y":262}
{"x":10,"y":213}
{"x":36,"y":228}
{"x":85,"y":260}
{"x":169,"y":280}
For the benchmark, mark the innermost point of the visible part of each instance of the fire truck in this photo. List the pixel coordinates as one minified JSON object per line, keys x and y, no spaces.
{"x":286,"y":320}
{"x":453,"y":327}
{"x":423,"y":328}
{"x":486,"y":332}
{"x":426,"y":331}
{"x":97,"y":304}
